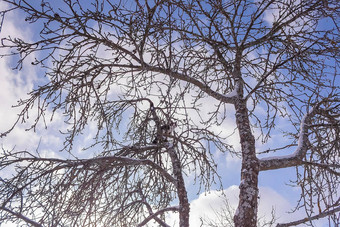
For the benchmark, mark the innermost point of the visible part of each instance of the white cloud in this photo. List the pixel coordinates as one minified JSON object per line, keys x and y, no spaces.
{"x":16,"y":85}
{"x":12,"y":88}
{"x":207,"y":204}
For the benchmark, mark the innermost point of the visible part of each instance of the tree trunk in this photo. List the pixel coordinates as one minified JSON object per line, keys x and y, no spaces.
{"x":246,"y":214}
{"x":184,"y":206}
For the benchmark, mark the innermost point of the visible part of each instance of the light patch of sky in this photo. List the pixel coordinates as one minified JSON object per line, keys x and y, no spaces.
{"x":270,"y":16}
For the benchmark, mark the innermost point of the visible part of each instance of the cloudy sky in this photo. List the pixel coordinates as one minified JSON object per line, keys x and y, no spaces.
{"x":274,"y":191}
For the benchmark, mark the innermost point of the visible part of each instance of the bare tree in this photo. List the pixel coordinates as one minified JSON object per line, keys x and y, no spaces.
{"x":155,"y":63}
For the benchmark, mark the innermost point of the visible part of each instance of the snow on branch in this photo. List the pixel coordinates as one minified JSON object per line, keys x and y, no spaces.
{"x":294,"y":159}
{"x":233,"y":93}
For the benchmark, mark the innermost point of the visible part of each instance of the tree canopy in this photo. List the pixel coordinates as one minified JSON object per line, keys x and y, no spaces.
{"x":123,"y":70}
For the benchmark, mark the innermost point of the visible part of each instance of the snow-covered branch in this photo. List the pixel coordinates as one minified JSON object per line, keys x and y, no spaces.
{"x":295,"y":158}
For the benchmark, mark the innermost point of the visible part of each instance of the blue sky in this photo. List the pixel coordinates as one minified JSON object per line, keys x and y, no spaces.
{"x":274,"y":191}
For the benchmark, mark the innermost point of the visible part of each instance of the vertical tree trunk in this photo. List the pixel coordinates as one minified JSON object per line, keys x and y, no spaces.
{"x":246,"y":214}
{"x":184,"y":206}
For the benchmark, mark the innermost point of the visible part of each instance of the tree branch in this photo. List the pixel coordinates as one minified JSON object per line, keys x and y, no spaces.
{"x":294,"y":159}
{"x":301,"y":221}
{"x":22,"y":217}
{"x":152,"y":216}
{"x":100,"y":160}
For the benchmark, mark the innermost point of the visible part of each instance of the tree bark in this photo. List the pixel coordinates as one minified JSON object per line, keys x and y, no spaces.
{"x":184,"y":206}
{"x":246,"y":214}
